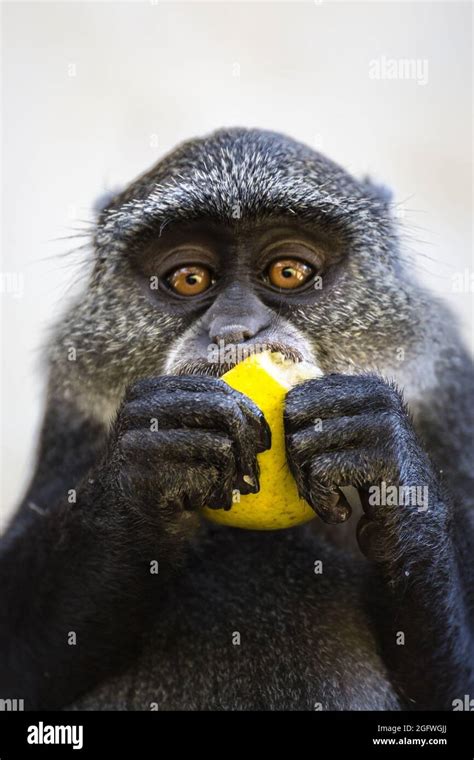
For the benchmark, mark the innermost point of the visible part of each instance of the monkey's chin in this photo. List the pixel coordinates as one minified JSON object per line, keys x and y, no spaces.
{"x":225,"y":357}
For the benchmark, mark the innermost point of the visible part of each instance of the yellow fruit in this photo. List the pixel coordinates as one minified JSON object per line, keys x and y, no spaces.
{"x":266,"y":379}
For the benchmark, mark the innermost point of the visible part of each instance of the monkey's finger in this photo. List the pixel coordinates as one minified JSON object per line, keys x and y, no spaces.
{"x":155,"y":450}
{"x":372,"y":503}
{"x":221,"y":498}
{"x":369,"y":536}
{"x":193,"y":410}
{"x":352,"y":467}
{"x":149,"y":386}
{"x":337,"y":435}
{"x":214,"y":385}
{"x":170,"y":471}
{"x":323,"y":475}
{"x":204,"y":387}
{"x":328,"y":472}
{"x":199,"y":412}
{"x":176,"y":488}
{"x":331,"y":506}
{"x":254,"y":416}
{"x":177,"y":446}
{"x":372,"y":511}
{"x":337,"y":395}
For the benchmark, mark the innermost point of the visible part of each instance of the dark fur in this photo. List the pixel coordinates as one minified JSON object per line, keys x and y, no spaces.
{"x":306,"y":639}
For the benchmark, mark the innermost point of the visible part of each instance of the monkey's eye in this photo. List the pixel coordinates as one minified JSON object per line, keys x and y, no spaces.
{"x":288,"y":273}
{"x":190,"y":280}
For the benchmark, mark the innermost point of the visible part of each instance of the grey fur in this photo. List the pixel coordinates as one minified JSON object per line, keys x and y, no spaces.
{"x":377,"y":309}
{"x":306,"y":639}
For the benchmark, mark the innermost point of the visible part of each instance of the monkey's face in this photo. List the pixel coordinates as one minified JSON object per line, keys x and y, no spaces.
{"x":236,"y":242}
{"x":236,"y":287}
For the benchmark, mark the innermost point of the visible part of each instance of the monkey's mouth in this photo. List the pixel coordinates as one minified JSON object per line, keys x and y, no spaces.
{"x":223,"y":357}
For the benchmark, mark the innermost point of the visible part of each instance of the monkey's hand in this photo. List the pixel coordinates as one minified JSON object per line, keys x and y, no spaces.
{"x":177,"y":443}
{"x":180,"y":443}
{"x":355,"y":430}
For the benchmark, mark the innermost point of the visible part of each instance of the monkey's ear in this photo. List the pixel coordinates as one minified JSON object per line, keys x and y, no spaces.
{"x":382,"y":193}
{"x":105,"y":199}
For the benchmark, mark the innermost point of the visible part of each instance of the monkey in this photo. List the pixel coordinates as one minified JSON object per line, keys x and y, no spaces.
{"x":115,"y":593}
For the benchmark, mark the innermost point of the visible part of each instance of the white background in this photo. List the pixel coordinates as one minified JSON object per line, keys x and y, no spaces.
{"x":148,"y":75}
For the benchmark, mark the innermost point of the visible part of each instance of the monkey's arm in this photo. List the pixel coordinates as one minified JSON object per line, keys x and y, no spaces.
{"x":423,"y":549}
{"x":76,"y":579}
{"x":74,"y":596}
{"x":74,"y":570}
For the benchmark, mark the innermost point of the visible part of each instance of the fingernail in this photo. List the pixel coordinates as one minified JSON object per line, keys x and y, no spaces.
{"x":336,"y":509}
{"x":265,"y":437}
{"x":248,"y":484}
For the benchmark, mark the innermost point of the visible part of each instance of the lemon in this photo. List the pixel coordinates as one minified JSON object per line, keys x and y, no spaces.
{"x":266,"y":379}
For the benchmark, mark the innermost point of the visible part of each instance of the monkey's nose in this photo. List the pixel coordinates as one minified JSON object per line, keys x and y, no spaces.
{"x":231,"y":334}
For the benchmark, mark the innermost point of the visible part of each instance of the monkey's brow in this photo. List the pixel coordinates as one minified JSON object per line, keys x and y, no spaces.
{"x":175,"y":202}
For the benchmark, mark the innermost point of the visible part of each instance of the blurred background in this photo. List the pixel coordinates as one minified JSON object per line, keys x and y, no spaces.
{"x":95,"y":92}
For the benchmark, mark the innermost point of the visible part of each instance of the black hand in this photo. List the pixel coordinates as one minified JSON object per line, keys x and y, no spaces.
{"x":84,"y":566}
{"x":355,"y":430}
{"x":185,"y":442}
{"x":349,"y":430}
